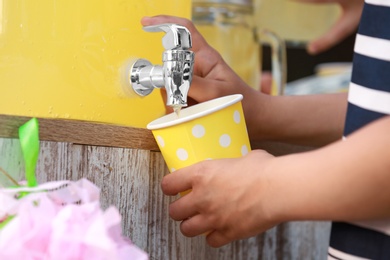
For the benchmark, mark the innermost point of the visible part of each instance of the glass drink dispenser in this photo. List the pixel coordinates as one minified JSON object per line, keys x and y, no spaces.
{"x":229,"y":26}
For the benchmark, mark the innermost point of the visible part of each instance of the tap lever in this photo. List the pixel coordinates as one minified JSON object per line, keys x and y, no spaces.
{"x":177,"y":37}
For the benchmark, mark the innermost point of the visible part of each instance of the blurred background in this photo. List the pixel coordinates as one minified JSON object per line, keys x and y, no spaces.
{"x":234,"y":27}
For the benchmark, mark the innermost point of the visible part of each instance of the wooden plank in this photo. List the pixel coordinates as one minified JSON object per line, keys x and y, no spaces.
{"x":89,"y":133}
{"x":121,"y":174}
{"x":130,"y":180}
{"x":82,"y":132}
{"x":11,"y":160}
{"x":124,"y":163}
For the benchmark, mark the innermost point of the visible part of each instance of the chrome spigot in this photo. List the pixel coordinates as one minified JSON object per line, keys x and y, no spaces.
{"x":177,"y":69}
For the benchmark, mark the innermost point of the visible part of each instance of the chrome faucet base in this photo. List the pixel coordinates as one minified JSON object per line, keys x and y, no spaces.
{"x":138,"y":77}
{"x":176,"y":72}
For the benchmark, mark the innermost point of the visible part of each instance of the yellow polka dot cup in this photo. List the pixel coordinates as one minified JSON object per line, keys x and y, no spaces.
{"x":210,"y":130}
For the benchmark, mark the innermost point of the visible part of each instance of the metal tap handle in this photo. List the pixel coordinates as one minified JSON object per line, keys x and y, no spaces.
{"x":176,"y":72}
{"x":177,"y":37}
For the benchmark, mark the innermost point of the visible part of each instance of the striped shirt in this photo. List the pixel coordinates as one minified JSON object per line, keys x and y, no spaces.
{"x":368,"y":100}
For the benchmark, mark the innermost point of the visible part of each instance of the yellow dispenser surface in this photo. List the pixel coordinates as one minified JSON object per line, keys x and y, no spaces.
{"x":68,"y":58}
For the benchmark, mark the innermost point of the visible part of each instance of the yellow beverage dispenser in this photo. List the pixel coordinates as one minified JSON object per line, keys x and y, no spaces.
{"x":66,"y":58}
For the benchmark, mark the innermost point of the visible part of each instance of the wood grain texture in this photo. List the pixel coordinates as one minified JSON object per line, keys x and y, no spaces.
{"x":125,"y":164}
{"x":130,"y":180}
{"x":89,"y":133}
{"x":82,"y":132}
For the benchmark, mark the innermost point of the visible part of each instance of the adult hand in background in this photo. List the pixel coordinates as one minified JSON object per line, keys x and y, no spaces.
{"x":345,"y":26}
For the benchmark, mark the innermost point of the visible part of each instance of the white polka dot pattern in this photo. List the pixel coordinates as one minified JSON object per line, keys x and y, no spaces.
{"x":214,"y":136}
{"x":225,"y":140}
{"x":160,"y":141}
{"x":237,"y":117}
{"x":198,"y":131}
{"x":244,"y":150}
{"x":182,"y":154}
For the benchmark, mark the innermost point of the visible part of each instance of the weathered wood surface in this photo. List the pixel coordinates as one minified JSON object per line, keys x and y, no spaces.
{"x":130,"y":180}
{"x":97,"y":134}
{"x":125,"y":163}
{"x":82,"y":132}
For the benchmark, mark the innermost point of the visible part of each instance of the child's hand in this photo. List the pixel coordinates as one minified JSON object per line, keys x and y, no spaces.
{"x":230,"y":199}
{"x":212,"y":76}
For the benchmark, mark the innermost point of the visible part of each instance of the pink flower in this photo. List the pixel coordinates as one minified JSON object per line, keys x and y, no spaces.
{"x":43,"y":228}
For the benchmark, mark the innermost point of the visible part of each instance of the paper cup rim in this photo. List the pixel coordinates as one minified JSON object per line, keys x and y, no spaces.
{"x":191,"y":113}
